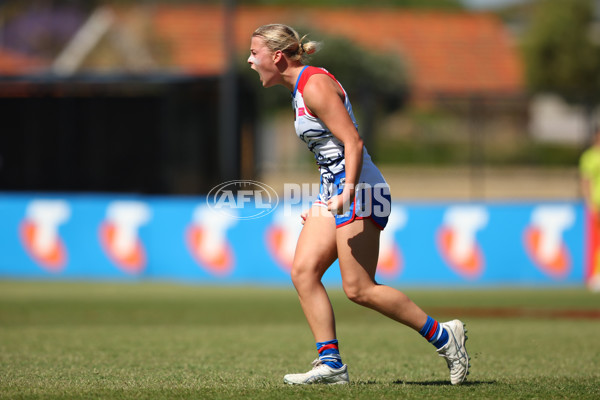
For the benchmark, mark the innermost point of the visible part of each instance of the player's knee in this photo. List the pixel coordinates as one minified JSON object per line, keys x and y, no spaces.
{"x":297,"y":275}
{"x":303,"y":272}
{"x":357,"y":293}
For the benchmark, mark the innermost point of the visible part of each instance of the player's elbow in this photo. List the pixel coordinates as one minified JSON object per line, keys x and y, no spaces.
{"x":356,"y":143}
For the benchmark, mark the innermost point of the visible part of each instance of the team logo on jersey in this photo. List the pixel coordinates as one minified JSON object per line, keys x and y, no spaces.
{"x":457,"y":239}
{"x":256,"y":199}
{"x":119,"y":235}
{"x":207,"y":242}
{"x":391,"y":262}
{"x":40,"y":236}
{"x":282,"y":236}
{"x":543,"y":239}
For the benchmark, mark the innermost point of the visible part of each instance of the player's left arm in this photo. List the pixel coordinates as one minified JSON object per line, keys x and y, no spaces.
{"x":324,"y":98}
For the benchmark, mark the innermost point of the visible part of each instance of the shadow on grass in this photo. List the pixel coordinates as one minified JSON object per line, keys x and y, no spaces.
{"x":443,"y":383}
{"x":428,"y":383}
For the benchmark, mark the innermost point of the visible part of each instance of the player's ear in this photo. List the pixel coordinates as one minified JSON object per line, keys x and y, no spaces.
{"x":277,"y":56}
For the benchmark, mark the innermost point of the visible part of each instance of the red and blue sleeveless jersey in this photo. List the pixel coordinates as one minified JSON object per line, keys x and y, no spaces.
{"x":328,"y":150}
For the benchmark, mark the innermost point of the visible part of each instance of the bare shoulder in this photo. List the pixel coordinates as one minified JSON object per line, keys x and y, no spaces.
{"x":321,"y":88}
{"x":318,"y":82}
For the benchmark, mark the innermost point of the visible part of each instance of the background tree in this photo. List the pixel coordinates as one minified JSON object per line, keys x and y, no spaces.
{"x":561,"y":53}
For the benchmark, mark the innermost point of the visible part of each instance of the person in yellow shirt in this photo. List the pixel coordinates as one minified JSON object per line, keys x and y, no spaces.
{"x":589,"y":168}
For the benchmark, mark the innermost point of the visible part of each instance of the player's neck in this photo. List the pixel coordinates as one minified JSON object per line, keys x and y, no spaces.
{"x":290,"y":76}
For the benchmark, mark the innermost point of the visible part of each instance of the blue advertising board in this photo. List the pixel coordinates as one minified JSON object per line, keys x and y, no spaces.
{"x":104,"y":237}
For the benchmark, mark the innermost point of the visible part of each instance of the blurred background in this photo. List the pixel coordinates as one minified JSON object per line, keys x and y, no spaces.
{"x":117,"y":118}
{"x":457,"y":100}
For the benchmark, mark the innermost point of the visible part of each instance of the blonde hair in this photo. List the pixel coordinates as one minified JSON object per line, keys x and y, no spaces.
{"x":279,"y":37}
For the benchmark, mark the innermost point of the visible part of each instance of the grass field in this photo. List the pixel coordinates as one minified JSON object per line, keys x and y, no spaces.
{"x":163,"y":341}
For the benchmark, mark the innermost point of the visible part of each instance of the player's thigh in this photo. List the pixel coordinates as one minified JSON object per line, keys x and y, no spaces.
{"x":316,"y":249}
{"x":358,"y":251}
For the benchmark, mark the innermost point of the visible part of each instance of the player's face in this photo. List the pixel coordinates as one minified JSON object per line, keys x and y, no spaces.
{"x":261,"y":60}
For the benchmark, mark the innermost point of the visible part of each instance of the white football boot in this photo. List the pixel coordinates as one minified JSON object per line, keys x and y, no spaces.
{"x":455,"y":351}
{"x":320,"y":373}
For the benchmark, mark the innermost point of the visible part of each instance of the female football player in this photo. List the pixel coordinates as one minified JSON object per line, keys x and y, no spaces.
{"x":346,"y":221}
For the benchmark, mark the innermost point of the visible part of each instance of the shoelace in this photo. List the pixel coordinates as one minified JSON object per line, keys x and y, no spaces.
{"x":450,"y":361}
{"x":316,"y":362}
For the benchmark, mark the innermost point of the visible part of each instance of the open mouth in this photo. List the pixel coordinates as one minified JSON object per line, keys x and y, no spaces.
{"x":260,"y":77}
{"x":253,"y":68}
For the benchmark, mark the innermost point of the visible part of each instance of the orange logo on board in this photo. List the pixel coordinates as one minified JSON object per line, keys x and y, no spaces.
{"x":207,"y":242}
{"x":457,"y":242}
{"x":543,"y":239}
{"x":119,"y":235}
{"x":39,"y":233}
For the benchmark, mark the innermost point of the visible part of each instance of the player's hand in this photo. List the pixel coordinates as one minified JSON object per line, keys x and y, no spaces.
{"x":304,"y":215}
{"x":340,"y":204}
